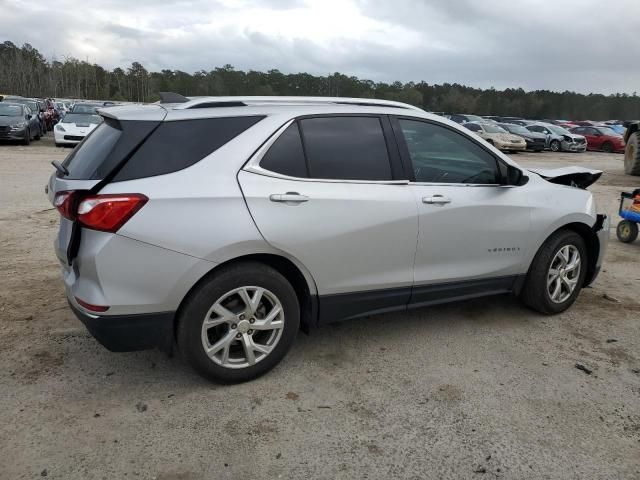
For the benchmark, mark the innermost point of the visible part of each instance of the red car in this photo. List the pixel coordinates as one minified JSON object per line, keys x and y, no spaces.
{"x":601,"y":138}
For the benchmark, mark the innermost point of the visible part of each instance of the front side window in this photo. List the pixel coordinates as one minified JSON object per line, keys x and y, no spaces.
{"x":441,"y":155}
{"x":346,"y":148}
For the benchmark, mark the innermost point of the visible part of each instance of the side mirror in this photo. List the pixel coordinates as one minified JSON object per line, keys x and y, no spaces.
{"x":27,"y":117}
{"x":515,"y":177}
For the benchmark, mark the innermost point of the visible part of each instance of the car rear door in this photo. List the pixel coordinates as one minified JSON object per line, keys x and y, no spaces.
{"x":473,"y":232}
{"x":328,"y":192}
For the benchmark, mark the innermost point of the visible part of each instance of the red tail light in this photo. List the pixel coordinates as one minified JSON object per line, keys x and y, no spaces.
{"x":109,"y":212}
{"x":65,"y":202}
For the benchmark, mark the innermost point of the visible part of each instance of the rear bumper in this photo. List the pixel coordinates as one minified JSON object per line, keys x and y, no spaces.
{"x":128,"y":333}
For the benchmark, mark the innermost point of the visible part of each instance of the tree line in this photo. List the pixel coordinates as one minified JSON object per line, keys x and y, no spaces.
{"x":25,"y":71}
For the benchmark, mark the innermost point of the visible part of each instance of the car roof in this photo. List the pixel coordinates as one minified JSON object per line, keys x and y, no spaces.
{"x":175,"y":111}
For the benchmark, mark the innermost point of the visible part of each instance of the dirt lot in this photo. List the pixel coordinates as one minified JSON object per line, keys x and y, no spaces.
{"x":480,"y":389}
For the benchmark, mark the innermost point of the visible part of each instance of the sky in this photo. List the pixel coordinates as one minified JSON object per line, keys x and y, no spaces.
{"x":577,"y":45}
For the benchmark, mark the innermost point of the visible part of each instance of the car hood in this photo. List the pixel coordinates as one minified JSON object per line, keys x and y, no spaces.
{"x":579,"y":177}
{"x":4,"y":121}
{"x":78,"y":127}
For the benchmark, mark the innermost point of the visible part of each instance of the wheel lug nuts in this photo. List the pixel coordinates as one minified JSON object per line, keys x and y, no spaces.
{"x":234,"y":326}
{"x":250,"y":332}
{"x":252,"y":320}
{"x":238,"y":336}
{"x":241,"y":317}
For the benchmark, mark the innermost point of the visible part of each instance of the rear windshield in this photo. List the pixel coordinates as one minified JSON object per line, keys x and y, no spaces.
{"x":81,"y":118}
{"x":85,"y":160}
{"x":139,"y":149}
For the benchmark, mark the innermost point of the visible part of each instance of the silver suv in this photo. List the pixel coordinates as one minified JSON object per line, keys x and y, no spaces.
{"x":223,"y":225}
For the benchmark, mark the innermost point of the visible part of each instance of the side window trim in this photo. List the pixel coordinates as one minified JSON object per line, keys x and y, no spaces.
{"x":253,"y":164}
{"x":406,"y":157}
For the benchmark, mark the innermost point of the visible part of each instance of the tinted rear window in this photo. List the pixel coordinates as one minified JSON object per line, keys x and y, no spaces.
{"x":179,"y":144}
{"x":87,"y":157}
{"x":346,"y":148}
{"x":286,"y":155}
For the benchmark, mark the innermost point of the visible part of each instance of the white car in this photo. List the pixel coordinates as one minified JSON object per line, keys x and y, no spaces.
{"x":72,"y":129}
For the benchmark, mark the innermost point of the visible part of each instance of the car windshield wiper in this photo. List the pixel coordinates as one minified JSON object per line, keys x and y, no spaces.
{"x":61,"y":168}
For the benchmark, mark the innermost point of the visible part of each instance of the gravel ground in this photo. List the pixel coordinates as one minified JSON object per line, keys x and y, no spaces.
{"x":480,"y":389}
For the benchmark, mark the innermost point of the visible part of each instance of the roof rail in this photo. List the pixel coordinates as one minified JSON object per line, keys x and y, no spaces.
{"x":211,"y":102}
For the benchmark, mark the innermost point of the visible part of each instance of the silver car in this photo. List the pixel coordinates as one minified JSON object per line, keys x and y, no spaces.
{"x":559,"y":139}
{"x":223,"y":225}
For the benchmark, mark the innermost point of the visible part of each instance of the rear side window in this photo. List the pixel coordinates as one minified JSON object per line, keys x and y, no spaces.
{"x":286,"y":155}
{"x":346,"y":148}
{"x":179,"y":144}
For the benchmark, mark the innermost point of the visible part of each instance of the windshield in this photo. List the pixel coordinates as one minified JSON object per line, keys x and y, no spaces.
{"x":489,"y":128}
{"x":83,"y":108}
{"x":10,"y":110}
{"x":81,"y":118}
{"x":474,"y":118}
{"x":33,"y":106}
{"x":557,"y":130}
{"x":516,"y":129}
{"x":607,"y":131}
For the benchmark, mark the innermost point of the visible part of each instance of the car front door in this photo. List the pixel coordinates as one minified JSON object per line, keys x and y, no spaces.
{"x":328,"y":192}
{"x":473,"y":229}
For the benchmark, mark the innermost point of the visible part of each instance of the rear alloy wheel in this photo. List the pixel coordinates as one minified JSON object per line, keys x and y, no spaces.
{"x":627,"y":231}
{"x":632,"y":155}
{"x":556,"y":274}
{"x":554,"y":146}
{"x":239,"y":324}
{"x":607,"y":147}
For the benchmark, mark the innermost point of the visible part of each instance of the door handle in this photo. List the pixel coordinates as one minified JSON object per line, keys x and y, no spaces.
{"x":289,"y":197}
{"x":436,"y":199}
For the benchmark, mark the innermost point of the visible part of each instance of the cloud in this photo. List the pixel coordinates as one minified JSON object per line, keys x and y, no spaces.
{"x":577,"y":45}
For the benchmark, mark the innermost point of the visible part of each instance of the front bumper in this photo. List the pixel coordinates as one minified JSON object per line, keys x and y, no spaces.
{"x":511,"y":146}
{"x":574,"y":147}
{"x":61,"y":140}
{"x":13,"y":134}
{"x":128,"y":333}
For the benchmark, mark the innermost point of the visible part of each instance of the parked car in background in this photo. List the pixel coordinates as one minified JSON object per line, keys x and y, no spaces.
{"x":559,"y":139}
{"x":198,"y":225}
{"x":535,"y":141}
{"x":73,"y":127}
{"x":601,"y":138}
{"x":62,"y":108}
{"x":17,"y":123}
{"x":37,"y":110}
{"x":86,"y":107}
{"x":464,"y":118}
{"x":618,"y":128}
{"x":497,"y":136}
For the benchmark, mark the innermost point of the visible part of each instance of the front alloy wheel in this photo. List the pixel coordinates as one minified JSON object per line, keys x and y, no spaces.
{"x":556,"y":274}
{"x":564,"y":273}
{"x":242,"y":327}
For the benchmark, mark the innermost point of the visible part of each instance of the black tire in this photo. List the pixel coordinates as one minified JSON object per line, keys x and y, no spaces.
{"x":199,"y":302}
{"x":607,"y":147}
{"x":555,"y":146}
{"x":535,"y":292}
{"x":27,"y":137}
{"x":627,"y":231}
{"x":38,"y":135}
{"x":632,"y":155}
